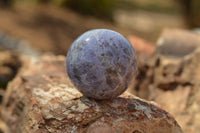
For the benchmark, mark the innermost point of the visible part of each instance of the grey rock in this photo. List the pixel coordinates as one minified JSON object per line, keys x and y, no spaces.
{"x":15,"y":44}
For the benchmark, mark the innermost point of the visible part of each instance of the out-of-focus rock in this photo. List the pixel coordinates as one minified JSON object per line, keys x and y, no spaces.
{"x":142,"y":46}
{"x":3,"y":127}
{"x":145,"y":60}
{"x":19,"y":45}
{"x":1,"y":48}
{"x":197,"y":30}
{"x":1,"y":94}
{"x":9,"y":64}
{"x":175,"y":77}
{"x":177,"y":43}
{"x":42,"y":99}
{"x":177,"y":59}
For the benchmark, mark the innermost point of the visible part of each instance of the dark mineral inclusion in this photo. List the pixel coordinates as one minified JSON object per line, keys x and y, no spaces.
{"x":101,"y":63}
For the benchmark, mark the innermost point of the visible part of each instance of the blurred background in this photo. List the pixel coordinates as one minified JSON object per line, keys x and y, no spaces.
{"x":34,"y":27}
{"x":52,"y":25}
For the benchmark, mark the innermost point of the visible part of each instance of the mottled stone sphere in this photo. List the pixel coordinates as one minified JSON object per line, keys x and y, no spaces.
{"x":101,"y":64}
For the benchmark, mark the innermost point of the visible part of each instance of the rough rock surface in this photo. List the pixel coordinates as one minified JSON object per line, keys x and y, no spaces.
{"x":177,"y":75}
{"x":41,"y":99}
{"x":171,"y":77}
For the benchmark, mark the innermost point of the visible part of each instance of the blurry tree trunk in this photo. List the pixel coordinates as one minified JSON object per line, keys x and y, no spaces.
{"x":191,"y":9}
{"x":44,"y":1}
{"x":186,"y":6}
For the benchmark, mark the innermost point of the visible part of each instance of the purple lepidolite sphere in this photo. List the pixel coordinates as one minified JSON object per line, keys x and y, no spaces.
{"x":101,"y":63}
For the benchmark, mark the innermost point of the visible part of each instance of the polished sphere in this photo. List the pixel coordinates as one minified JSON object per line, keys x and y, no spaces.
{"x":101,"y":63}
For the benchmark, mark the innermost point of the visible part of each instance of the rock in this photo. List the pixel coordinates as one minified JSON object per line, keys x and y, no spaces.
{"x":1,"y":48}
{"x":1,"y":94}
{"x":145,"y":58}
{"x":19,"y":45}
{"x":9,"y":64}
{"x":144,"y":77}
{"x":3,"y":127}
{"x":142,"y":46}
{"x":101,"y":63}
{"x":177,"y":76}
{"x":177,"y":43}
{"x":197,"y":30}
{"x":174,"y":77}
{"x":42,"y":99}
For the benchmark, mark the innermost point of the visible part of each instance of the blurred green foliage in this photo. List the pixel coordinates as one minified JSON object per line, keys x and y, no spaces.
{"x":99,"y":8}
{"x":150,"y":6}
{"x":105,"y":8}
{"x":42,"y":1}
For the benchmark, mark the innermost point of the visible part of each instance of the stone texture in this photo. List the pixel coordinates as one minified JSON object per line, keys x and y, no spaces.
{"x":174,"y":77}
{"x":101,"y":63}
{"x":146,"y":62}
{"x":41,"y":99}
{"x":177,"y":75}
